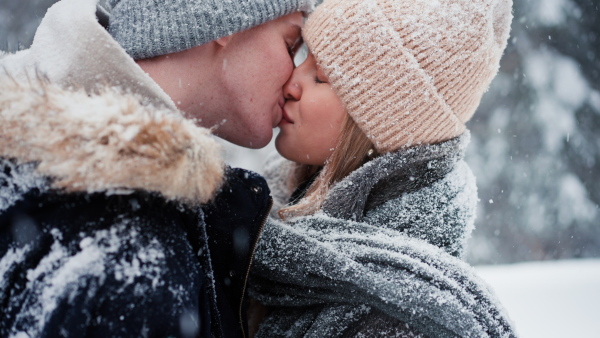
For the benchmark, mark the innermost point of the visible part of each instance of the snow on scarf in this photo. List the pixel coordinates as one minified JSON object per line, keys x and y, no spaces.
{"x":321,"y":273}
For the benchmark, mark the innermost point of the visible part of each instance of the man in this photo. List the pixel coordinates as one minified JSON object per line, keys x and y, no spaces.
{"x":117,"y":215}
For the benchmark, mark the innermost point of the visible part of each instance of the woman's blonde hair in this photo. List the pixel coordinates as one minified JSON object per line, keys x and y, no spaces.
{"x":353,"y":149}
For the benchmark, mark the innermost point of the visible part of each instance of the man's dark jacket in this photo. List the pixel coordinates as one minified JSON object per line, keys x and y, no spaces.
{"x":118,"y":219}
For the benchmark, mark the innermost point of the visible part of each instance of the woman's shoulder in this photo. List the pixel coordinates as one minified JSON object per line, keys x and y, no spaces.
{"x":392,"y":175}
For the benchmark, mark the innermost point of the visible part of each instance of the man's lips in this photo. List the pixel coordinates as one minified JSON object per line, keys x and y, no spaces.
{"x":281,"y":102}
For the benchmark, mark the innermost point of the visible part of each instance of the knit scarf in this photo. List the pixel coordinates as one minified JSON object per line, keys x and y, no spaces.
{"x":389,"y":238}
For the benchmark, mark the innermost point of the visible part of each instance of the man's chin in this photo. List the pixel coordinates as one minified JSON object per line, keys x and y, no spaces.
{"x":263,"y":143}
{"x":252,"y":143}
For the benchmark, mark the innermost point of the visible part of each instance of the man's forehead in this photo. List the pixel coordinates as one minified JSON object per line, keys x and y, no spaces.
{"x":295,"y":28}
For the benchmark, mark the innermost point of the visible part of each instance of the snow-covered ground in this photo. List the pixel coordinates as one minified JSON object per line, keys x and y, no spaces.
{"x":549,"y":299}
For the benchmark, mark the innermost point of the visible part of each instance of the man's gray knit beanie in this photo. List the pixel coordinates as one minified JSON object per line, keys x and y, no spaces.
{"x":148,"y":28}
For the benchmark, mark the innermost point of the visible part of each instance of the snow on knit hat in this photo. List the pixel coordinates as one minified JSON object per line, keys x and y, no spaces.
{"x":409,"y":71}
{"x":147,"y":28}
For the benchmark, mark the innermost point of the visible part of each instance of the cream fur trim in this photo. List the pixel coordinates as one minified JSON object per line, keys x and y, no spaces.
{"x":106,"y":142}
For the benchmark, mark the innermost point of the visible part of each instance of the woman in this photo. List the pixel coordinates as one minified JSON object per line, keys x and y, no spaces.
{"x":374,"y":201}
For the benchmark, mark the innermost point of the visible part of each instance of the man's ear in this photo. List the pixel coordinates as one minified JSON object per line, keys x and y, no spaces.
{"x":224,"y":41}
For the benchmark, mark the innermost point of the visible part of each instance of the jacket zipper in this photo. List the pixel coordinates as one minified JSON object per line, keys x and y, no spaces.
{"x":260,"y":230}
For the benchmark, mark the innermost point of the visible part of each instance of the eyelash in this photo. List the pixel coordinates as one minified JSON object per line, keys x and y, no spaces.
{"x":318,"y":81}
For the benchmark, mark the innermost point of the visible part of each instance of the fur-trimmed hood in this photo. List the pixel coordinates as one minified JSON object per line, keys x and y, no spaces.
{"x":106,"y":142}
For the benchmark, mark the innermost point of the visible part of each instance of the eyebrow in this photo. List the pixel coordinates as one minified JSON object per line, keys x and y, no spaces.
{"x":296,"y":28}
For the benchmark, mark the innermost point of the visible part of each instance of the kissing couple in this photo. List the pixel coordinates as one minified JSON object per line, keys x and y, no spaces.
{"x":118,"y":216}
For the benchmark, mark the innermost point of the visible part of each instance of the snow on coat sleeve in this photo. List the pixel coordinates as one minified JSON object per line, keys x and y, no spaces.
{"x":312,"y":261}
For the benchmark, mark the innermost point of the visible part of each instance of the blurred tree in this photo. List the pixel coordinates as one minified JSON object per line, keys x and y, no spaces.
{"x":19,"y":20}
{"x":536,"y":139}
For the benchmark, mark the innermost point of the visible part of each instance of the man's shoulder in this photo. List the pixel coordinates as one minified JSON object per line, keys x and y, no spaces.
{"x":91,"y":263}
{"x":108,"y":226}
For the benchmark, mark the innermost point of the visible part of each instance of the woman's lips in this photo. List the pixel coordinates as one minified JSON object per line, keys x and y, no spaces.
{"x":285,"y":119}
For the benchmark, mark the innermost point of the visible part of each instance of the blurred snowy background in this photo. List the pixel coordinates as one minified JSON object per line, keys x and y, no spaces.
{"x":535,"y":152}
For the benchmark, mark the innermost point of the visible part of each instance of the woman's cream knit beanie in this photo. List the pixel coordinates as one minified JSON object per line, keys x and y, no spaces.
{"x":409,"y":71}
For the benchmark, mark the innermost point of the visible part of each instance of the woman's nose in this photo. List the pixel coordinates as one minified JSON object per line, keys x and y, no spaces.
{"x":292,"y":90}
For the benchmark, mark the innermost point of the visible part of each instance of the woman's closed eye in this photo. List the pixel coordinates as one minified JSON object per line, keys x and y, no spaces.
{"x":320,"y":76}
{"x":317,"y":80}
